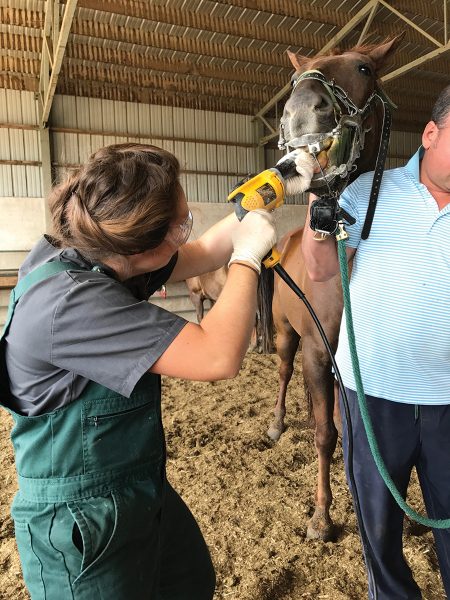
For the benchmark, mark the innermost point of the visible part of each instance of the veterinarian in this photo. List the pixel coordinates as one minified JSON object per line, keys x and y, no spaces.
{"x":400,"y":294}
{"x":95,"y":516}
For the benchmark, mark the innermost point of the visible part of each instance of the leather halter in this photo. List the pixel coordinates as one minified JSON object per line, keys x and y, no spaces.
{"x":355,"y":117}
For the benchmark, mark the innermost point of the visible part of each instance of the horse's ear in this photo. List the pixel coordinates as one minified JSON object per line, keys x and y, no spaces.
{"x":297,"y":60}
{"x":381,"y":54}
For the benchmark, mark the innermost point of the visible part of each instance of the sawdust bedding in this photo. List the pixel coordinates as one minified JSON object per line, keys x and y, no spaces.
{"x":251,"y":497}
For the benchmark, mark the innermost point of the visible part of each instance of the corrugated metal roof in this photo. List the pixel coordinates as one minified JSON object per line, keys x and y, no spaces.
{"x":222,"y":55}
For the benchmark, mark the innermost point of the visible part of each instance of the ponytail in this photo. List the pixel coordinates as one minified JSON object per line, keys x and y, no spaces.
{"x":121,"y":202}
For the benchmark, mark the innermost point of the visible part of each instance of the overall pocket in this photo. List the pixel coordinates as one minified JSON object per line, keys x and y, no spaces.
{"x":120,"y":433}
{"x":94,"y":526}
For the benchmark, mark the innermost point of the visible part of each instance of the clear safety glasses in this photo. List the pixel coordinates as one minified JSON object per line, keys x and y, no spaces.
{"x":179,"y":234}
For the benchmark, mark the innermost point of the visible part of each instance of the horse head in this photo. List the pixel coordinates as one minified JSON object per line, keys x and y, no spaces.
{"x":333,"y":111}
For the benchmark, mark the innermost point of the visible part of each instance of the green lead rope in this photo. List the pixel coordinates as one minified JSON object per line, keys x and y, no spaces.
{"x":415,"y":516}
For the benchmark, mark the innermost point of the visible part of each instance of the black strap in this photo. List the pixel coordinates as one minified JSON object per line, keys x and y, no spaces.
{"x":379,"y":168}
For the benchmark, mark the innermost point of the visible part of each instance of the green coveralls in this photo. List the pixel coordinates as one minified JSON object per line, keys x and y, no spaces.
{"x":95,"y":517}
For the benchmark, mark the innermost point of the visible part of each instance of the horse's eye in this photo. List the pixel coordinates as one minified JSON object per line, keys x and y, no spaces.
{"x":365,"y":70}
{"x":294,"y":79}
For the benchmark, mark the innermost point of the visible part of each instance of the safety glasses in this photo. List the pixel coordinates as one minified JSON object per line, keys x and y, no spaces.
{"x":179,"y":234}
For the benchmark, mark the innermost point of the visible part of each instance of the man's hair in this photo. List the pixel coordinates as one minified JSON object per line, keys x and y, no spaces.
{"x":441,"y":108}
{"x":121,"y":201}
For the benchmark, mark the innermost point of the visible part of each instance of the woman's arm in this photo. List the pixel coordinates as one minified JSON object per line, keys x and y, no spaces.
{"x":210,"y":252}
{"x":215,"y":348}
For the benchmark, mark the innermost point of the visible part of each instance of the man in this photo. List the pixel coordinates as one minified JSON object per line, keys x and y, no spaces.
{"x":400,"y":293}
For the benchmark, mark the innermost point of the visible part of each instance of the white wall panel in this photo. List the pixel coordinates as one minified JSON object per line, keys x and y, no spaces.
{"x":30,"y":114}
{"x":19,"y":108}
{"x":19,"y":176}
{"x":107,"y":120}
{"x":34,"y":182}
{"x":132,"y":112}
{"x":6,"y":183}
{"x":97,"y":141}
{"x":95,"y":114}
{"x":82,"y":113}
{"x":148,"y":124}
{"x":167,"y":121}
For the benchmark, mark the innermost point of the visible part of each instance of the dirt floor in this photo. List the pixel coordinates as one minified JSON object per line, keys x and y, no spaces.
{"x":252,"y":497}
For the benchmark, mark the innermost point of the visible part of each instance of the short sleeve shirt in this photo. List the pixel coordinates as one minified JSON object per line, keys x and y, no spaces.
{"x":81,"y":326}
{"x":400,"y":290}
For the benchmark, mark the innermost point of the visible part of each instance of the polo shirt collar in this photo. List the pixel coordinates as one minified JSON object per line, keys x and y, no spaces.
{"x":413,"y":165}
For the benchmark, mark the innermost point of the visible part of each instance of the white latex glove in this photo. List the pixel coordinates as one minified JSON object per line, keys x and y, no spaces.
{"x":253,"y":238}
{"x":304,"y":164}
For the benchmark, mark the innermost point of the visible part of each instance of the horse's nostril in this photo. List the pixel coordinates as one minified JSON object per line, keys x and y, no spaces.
{"x":322,"y":104}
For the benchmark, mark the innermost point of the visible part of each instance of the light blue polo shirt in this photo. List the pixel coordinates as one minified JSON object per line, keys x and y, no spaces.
{"x":400,"y":290}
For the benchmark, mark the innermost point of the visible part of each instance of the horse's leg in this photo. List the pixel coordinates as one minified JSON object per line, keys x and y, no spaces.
{"x":287,"y":344}
{"x":319,"y":381}
{"x":197,"y":301}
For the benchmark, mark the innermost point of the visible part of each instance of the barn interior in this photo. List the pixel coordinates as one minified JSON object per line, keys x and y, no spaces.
{"x":206,"y":80}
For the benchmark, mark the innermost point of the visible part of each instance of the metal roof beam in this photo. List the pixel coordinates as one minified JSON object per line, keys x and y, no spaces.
{"x":91,"y":34}
{"x":319,"y":15}
{"x":328,"y":46}
{"x":54,"y":45}
{"x":410,"y":23}
{"x":322,"y":15}
{"x":191,"y":42}
{"x":415,"y":63}
{"x":430,"y":10}
{"x":368,"y":23}
{"x":442,"y":49}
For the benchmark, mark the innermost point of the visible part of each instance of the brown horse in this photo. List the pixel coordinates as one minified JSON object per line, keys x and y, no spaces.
{"x":310,"y":110}
{"x":206,"y":287}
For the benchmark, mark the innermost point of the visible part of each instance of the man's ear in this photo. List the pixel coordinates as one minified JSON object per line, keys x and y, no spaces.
{"x":429,"y":134}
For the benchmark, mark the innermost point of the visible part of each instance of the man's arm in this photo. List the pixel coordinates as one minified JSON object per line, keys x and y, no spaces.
{"x":320,"y":256}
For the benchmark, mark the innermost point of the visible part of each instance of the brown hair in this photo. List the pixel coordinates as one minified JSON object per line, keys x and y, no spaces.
{"x":121,"y":201}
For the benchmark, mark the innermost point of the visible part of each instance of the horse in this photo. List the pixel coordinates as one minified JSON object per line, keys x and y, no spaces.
{"x":206,"y":287}
{"x":312,"y":109}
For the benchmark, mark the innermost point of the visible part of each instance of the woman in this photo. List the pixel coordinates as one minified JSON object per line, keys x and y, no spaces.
{"x":95,"y":516}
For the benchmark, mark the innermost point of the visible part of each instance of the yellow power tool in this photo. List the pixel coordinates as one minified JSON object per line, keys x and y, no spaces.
{"x":265,"y":190}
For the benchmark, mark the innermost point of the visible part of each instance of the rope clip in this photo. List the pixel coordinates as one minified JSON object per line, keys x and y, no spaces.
{"x":341,"y":233}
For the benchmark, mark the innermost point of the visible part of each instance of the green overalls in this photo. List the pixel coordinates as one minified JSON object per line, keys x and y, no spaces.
{"x":95,"y":517}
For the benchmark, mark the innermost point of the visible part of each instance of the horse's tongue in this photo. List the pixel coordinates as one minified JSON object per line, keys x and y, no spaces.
{"x":322,"y":159}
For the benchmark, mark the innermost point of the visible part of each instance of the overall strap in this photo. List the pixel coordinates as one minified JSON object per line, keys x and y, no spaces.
{"x":38,"y":274}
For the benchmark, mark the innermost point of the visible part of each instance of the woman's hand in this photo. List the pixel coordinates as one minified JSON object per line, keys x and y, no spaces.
{"x":253,"y":238}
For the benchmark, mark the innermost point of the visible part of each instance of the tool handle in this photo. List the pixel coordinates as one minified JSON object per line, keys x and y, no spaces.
{"x":272,"y":258}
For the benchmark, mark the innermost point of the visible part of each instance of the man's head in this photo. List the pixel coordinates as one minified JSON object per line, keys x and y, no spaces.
{"x":435,"y":166}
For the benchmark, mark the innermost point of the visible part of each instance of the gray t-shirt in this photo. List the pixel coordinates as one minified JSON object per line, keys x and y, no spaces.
{"x":82,"y":326}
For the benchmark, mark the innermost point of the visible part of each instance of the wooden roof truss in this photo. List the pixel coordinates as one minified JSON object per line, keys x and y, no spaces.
{"x":220,"y":55}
